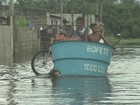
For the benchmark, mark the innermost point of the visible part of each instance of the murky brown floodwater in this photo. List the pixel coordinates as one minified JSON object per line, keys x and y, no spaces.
{"x":20,"y":86}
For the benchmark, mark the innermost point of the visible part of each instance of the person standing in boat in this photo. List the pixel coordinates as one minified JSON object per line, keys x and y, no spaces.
{"x":79,"y":29}
{"x":96,"y":35}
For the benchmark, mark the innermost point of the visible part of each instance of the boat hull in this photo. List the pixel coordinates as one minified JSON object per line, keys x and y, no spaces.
{"x":81,"y":58}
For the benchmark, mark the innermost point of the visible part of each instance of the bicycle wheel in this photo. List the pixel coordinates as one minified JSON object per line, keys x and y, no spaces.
{"x":41,"y":62}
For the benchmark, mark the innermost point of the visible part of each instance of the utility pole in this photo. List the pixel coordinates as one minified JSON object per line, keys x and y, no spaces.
{"x":11,"y":10}
{"x":72,"y":14}
{"x":61,"y":13}
{"x":97,"y":11}
{"x":101,"y":10}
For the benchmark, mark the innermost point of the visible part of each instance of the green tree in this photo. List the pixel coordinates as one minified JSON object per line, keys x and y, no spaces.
{"x":121,"y":17}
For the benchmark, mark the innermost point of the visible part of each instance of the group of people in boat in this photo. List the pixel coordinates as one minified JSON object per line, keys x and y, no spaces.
{"x":93,"y":33}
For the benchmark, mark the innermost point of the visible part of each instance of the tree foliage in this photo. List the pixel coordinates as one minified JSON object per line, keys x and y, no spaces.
{"x":123,"y":17}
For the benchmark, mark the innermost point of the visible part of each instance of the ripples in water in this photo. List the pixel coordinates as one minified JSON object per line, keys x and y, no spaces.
{"x":20,"y":86}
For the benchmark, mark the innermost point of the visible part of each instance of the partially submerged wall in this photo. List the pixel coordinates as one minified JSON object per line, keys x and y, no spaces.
{"x":19,"y":48}
{"x":6,"y":45}
{"x":26,"y":43}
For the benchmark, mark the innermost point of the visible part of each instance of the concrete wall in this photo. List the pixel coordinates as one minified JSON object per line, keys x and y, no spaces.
{"x":21,"y":47}
{"x":26,"y":43}
{"x":6,"y":45}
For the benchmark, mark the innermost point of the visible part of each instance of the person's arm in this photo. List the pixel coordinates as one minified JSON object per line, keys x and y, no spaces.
{"x":105,"y":41}
{"x":87,"y":33}
{"x":71,"y":32}
{"x":86,"y":37}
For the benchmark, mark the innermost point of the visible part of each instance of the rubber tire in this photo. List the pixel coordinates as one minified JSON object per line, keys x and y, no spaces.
{"x":33,"y":60}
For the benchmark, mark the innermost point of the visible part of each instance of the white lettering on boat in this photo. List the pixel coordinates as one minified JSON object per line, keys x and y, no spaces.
{"x":96,"y":49}
{"x":95,"y":68}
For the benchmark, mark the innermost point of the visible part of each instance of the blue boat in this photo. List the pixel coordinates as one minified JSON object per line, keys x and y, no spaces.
{"x":81,"y":58}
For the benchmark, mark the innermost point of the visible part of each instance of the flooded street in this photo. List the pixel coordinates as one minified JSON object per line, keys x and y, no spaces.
{"x":20,"y":86}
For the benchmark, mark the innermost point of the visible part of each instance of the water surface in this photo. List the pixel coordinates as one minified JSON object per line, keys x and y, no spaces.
{"x":20,"y":86}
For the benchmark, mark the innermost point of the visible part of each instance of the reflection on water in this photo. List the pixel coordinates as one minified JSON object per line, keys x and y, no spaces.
{"x":80,"y":90}
{"x":20,"y":86}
